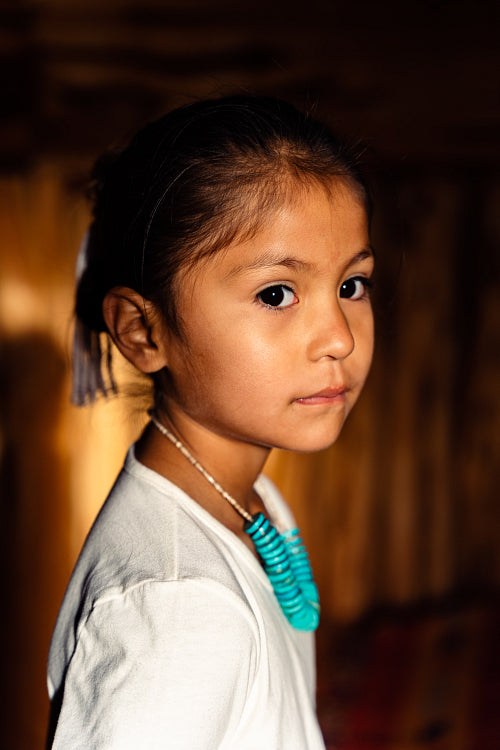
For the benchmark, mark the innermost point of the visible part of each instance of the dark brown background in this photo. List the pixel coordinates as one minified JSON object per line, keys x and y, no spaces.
{"x":405,"y":507}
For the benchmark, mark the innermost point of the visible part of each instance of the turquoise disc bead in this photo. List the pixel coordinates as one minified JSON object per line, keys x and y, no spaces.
{"x":285,"y":560}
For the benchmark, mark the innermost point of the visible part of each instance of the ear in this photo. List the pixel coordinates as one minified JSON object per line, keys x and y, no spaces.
{"x":136,"y":327}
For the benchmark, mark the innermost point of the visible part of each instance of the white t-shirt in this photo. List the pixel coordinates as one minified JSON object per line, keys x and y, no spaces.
{"x":170,"y":636}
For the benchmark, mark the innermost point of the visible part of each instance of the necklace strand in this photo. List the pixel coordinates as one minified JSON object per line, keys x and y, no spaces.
{"x":187,"y":454}
{"x":284,"y":556}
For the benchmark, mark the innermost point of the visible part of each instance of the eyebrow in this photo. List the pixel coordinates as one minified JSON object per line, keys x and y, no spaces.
{"x":367,"y":252}
{"x":271,"y":260}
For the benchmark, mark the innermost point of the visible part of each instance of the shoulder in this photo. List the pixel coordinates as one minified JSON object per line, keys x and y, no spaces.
{"x":148,"y":529}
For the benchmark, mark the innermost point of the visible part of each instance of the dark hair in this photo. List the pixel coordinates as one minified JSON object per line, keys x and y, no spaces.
{"x":188,"y":185}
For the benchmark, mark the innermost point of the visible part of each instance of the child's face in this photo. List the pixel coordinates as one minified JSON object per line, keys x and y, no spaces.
{"x":278,"y":329}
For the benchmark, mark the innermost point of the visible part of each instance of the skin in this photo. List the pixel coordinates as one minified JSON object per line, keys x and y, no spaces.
{"x":277,"y":343}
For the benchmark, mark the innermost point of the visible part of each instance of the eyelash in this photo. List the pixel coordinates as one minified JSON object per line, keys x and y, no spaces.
{"x":366,"y":282}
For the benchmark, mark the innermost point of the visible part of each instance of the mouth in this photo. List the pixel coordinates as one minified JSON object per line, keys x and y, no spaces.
{"x":326,"y":396}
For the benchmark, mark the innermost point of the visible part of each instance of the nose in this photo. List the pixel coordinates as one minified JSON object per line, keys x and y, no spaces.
{"x":330,"y":335}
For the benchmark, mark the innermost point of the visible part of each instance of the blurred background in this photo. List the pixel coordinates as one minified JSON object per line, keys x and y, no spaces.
{"x":401,"y":516}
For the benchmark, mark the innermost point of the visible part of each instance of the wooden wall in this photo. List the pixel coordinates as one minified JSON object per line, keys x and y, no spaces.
{"x":405,"y":506}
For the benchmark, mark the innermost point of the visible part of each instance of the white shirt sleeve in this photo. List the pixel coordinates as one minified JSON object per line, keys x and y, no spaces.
{"x":162,"y":665}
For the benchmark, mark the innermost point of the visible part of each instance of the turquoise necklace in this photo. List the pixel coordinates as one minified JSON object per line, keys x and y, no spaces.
{"x":283,"y":556}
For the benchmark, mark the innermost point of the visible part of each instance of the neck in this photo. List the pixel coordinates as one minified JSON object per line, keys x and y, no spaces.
{"x":233,"y":464}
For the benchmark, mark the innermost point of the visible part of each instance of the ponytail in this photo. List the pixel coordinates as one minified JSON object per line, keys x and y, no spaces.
{"x":87,"y":354}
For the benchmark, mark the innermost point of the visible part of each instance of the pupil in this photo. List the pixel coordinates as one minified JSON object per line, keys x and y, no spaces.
{"x":273,"y":296}
{"x":348,"y":288}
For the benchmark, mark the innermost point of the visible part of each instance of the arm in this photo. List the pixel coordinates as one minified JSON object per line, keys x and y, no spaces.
{"x":165,"y":665}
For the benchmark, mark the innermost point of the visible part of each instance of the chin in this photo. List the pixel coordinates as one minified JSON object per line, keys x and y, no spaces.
{"x":319,"y":441}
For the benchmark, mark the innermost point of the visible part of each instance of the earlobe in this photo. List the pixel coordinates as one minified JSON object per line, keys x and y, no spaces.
{"x":135,"y":327}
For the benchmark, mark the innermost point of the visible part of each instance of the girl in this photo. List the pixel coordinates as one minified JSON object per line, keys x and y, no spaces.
{"x":229,"y":259}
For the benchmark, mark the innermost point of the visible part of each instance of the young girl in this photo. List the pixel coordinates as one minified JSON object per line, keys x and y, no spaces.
{"x":229,"y":259}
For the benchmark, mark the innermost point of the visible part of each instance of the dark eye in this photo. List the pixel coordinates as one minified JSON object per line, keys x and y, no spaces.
{"x":277,"y":296}
{"x":355,"y":288}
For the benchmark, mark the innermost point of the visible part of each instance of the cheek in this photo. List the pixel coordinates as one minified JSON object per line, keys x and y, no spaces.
{"x":239,"y":366}
{"x":242,"y":360}
{"x":213,"y":360}
{"x":364,"y":344}
{"x":370,"y":339}
{"x":368,"y":357}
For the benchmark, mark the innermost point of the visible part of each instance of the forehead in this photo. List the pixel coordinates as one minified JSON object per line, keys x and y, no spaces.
{"x":317,"y":225}
{"x":306,"y":195}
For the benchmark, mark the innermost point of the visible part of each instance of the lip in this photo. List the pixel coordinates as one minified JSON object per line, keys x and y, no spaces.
{"x":326,"y":396}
